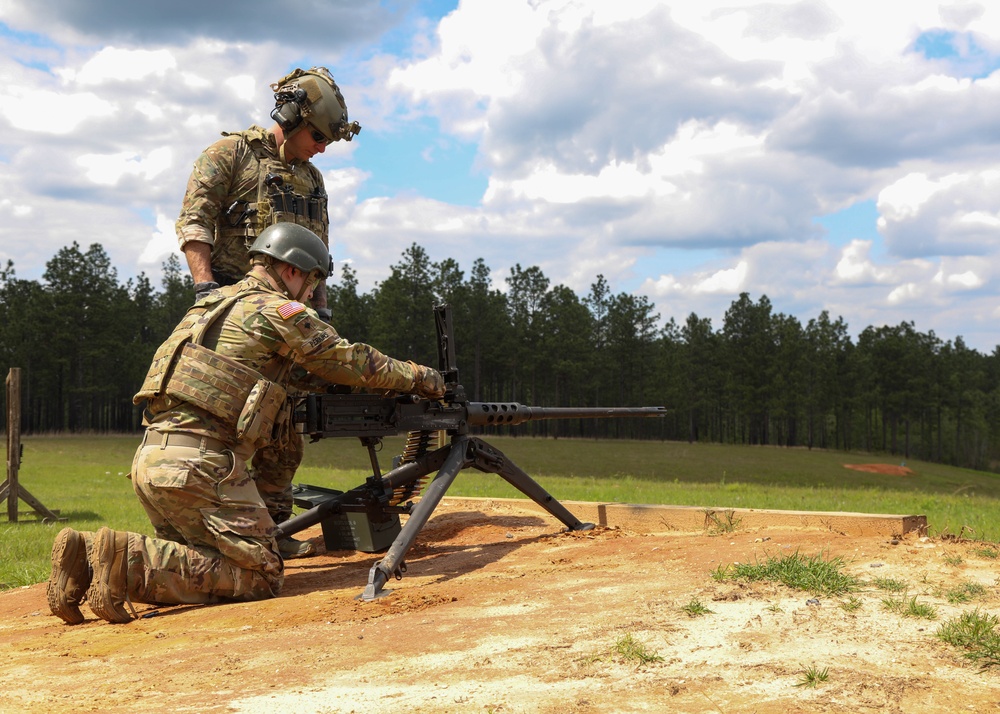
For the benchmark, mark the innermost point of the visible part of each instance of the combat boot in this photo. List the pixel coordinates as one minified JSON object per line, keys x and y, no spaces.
{"x":70,"y":578}
{"x":291,"y":548}
{"x":108,"y":591}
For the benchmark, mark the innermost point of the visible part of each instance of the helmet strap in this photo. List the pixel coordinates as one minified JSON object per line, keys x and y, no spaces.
{"x":283,"y":286}
{"x":302,"y":290}
{"x":280,"y":283}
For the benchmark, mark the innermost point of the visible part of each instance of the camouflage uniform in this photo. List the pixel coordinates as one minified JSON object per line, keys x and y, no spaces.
{"x":227,"y":203}
{"x":214,"y":537}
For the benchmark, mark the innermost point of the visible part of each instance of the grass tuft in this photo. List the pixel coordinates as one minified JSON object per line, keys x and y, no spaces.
{"x":632,"y":650}
{"x":890,"y":585}
{"x":815,"y":574}
{"x":966,"y":592}
{"x":909,"y":607}
{"x":812,"y":676}
{"x":720,"y":524}
{"x":695,"y":608}
{"x":976,"y":633}
{"x":852,"y":604}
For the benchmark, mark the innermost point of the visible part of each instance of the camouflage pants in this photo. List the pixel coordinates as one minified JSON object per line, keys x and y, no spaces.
{"x":213,"y":534}
{"x":274,"y":467}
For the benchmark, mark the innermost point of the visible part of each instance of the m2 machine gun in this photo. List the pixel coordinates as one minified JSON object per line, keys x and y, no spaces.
{"x":383,"y":497}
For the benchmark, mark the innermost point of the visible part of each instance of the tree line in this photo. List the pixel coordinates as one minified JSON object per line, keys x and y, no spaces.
{"x":84,"y":340}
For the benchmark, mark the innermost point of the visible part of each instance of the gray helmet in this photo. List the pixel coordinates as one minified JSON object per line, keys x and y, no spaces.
{"x":296,"y":245}
{"x":311,"y":96}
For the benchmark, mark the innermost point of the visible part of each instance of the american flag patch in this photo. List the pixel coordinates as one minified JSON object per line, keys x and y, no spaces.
{"x":290,"y":308}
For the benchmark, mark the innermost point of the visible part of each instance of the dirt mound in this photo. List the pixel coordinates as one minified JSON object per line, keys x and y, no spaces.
{"x":501,"y":611}
{"x":881,"y":469}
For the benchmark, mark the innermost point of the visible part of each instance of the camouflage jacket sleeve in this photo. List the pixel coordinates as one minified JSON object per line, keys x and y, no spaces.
{"x":209,"y":187}
{"x":297,"y":333}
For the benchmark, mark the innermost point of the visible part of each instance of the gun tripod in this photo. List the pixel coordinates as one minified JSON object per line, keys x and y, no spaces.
{"x":370,"y":417}
{"x":381,"y":496}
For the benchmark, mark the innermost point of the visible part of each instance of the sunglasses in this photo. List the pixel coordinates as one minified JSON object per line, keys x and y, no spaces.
{"x":319,"y":137}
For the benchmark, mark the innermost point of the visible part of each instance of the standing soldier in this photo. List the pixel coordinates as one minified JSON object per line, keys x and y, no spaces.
{"x":216,"y":392}
{"x":241,"y":184}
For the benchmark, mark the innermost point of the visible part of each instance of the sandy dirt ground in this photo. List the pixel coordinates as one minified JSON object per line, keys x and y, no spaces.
{"x":503,"y":611}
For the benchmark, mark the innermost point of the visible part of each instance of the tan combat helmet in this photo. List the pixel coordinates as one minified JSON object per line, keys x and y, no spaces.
{"x":312,"y":97}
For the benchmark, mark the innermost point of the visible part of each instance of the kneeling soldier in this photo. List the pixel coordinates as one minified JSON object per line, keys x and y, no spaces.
{"x":216,"y":393}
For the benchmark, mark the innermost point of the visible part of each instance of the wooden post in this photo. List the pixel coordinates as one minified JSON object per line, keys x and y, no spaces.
{"x":12,"y":490}
{"x":13,"y":440}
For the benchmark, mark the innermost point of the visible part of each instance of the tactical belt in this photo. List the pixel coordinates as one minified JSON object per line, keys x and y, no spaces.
{"x":164,"y":439}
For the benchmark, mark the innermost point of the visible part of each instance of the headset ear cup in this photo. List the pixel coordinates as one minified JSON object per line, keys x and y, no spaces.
{"x":287,"y":115}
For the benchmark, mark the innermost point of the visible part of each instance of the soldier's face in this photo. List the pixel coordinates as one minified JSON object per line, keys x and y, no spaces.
{"x":302,"y":145}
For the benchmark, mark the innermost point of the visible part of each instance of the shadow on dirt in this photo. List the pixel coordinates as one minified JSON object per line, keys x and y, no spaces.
{"x":449,"y":546}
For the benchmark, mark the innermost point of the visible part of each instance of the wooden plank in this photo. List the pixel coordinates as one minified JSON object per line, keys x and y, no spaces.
{"x":643,"y":518}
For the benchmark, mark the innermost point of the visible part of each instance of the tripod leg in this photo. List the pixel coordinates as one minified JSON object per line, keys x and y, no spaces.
{"x":491,"y":459}
{"x":391,"y":564}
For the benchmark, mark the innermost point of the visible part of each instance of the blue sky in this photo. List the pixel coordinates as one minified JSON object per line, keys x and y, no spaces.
{"x":421,"y":160}
{"x":837,"y":155}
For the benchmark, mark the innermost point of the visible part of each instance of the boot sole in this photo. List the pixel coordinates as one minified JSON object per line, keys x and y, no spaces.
{"x":65,"y":550}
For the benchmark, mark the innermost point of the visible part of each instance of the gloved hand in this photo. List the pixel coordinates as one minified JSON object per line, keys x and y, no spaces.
{"x":428,"y":382}
{"x":325,"y":314}
{"x":202,"y":290}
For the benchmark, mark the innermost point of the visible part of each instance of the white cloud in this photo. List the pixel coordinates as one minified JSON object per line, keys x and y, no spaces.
{"x":658,"y":174}
{"x":956,"y":213}
{"x":120,"y":65}
{"x":727,"y":282}
{"x":243,"y":86}
{"x":109,"y":169}
{"x":14,"y":209}
{"x":968,"y":280}
{"x":908,"y":292}
{"x":963,"y":275}
{"x":904,"y":198}
{"x":161,"y":244}
{"x":855,"y":265}
{"x":605,"y":131}
{"x":48,"y":112}
{"x":194,"y":80}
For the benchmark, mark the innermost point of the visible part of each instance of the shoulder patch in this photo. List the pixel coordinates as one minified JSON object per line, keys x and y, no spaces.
{"x":289,"y":309}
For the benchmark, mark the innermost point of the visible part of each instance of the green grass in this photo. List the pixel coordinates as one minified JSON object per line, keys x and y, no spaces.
{"x":851,"y":604}
{"x":890,"y":585}
{"x":630,"y":649}
{"x":83,"y":477}
{"x":812,"y":676}
{"x":695,"y":608}
{"x":815,"y":574}
{"x":977,"y":634}
{"x":966,"y":592}
{"x":909,"y":607}
{"x":988,"y":552}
